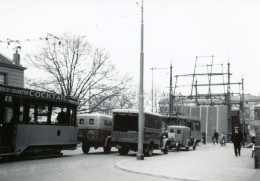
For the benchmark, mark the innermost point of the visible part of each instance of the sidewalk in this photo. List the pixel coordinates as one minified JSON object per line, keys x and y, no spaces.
{"x":207,"y":162}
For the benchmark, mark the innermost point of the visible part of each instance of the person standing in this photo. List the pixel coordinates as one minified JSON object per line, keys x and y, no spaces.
{"x":216,"y":136}
{"x":237,"y":139}
{"x":222,"y":139}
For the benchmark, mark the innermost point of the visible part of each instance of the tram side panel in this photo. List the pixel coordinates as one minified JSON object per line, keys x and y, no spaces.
{"x":64,"y":137}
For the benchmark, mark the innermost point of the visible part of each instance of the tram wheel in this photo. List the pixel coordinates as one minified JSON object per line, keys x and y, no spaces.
{"x":85,"y":147}
{"x":194,"y":147}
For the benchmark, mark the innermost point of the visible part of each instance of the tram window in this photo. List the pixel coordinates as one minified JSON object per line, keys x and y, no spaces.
{"x":21,"y":113}
{"x":63,"y":115}
{"x":54,"y":115}
{"x":32,"y":115}
{"x":42,"y":114}
{"x":8,"y":114}
{"x":171,"y":131}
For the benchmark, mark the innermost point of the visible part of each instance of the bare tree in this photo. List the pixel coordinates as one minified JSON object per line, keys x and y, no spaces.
{"x":128,"y":99}
{"x":76,"y":69}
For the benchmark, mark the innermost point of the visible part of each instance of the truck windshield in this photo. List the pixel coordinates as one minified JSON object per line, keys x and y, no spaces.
{"x":125,"y":122}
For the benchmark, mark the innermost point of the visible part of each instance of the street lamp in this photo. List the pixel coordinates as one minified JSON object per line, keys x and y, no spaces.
{"x":154,"y":68}
{"x":140,"y":154}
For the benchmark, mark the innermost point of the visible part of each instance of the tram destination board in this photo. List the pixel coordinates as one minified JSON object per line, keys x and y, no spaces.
{"x":15,"y":91}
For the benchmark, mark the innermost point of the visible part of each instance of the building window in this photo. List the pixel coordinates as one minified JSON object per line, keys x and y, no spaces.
{"x":2,"y":78}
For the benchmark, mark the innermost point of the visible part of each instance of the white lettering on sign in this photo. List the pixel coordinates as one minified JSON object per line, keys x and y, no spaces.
{"x":33,"y":93}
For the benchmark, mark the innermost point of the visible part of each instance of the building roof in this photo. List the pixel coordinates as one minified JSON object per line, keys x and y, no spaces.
{"x":4,"y":59}
{"x":7,"y":62}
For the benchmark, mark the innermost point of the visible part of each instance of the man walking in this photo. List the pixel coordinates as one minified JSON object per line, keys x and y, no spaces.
{"x":216,"y":137}
{"x":237,"y":138}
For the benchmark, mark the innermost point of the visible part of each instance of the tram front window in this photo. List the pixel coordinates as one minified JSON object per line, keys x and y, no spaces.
{"x":61,"y":115}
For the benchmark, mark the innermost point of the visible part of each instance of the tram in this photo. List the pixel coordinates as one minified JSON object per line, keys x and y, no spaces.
{"x":36,"y":123}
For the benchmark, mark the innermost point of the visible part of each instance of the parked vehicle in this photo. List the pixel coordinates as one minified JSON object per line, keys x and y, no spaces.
{"x":193,"y":124}
{"x":94,"y":130}
{"x":180,"y":136}
{"x":125,"y":132}
{"x":36,"y":123}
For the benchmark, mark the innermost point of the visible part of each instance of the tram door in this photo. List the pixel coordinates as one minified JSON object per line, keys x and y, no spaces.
{"x":6,"y":124}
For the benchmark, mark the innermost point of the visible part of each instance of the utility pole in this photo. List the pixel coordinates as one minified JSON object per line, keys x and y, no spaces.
{"x":229,"y":101}
{"x":243,"y":111}
{"x":193,"y":77}
{"x":171,"y":101}
{"x":153,"y":68}
{"x":140,"y":154}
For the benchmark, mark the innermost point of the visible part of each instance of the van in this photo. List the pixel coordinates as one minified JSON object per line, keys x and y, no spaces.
{"x":180,"y":136}
{"x":94,"y":130}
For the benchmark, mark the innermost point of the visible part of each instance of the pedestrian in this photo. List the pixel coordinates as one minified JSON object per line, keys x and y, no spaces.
{"x":237,"y":139}
{"x":222,"y":139}
{"x":204,"y":137}
{"x":215,"y":137}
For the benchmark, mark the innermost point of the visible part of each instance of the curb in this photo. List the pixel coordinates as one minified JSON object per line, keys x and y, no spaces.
{"x":119,"y":167}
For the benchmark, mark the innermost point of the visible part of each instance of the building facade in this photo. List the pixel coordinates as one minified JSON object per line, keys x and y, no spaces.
{"x":11,"y":71}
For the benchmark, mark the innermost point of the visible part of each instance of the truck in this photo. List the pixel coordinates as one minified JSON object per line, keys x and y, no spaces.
{"x":125,"y":132}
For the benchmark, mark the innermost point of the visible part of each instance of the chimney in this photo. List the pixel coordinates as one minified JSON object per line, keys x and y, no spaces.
{"x":16,"y":58}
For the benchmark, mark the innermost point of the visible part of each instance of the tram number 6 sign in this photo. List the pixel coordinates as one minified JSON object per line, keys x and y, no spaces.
{"x":8,"y":98}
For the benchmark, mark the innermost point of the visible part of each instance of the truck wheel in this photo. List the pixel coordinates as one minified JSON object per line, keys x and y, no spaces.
{"x":188,"y":146}
{"x":85,"y":147}
{"x":149,"y":150}
{"x":178,"y":147}
{"x":123,"y":151}
{"x":194,"y":147}
{"x":166,"y":149}
{"x":107,"y":148}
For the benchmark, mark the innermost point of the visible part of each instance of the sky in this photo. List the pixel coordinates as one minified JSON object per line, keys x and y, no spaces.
{"x":175,"y":32}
